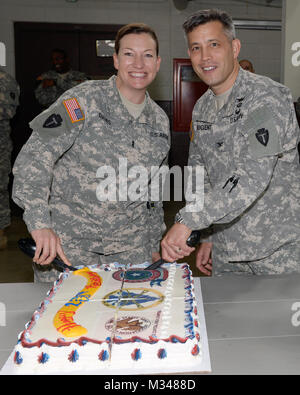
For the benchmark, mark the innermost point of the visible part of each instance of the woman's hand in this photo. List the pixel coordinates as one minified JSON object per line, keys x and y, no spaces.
{"x":48,"y":246}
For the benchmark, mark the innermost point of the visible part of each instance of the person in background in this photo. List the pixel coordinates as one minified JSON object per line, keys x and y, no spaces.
{"x":9,"y":101}
{"x":94,"y":126}
{"x":53,"y":83}
{"x":245,"y":136}
{"x":247,"y":65}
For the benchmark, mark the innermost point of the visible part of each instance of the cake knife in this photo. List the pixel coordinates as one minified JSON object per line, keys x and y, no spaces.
{"x":28,"y":247}
{"x":192,"y":241}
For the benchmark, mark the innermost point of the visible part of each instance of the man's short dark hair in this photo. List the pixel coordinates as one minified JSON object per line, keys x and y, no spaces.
{"x":203,"y":16}
{"x":135,"y":28}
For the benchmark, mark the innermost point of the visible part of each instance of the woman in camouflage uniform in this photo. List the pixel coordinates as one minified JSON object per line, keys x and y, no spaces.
{"x":91,"y":126}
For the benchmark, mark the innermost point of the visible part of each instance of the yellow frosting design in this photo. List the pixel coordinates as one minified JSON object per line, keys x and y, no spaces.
{"x":64,"y":318}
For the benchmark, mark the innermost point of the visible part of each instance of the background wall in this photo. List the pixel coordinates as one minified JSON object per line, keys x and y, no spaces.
{"x":291,"y":47}
{"x":263,"y":48}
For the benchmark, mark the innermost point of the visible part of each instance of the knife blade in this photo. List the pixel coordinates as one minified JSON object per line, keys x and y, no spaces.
{"x":192,"y":241}
{"x":28,"y":247}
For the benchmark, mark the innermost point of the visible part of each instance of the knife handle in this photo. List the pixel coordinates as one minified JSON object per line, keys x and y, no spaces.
{"x":28,"y":247}
{"x":194,"y":238}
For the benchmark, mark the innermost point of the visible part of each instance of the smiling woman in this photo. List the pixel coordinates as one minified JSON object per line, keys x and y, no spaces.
{"x":137,"y":61}
{"x":99,"y":122}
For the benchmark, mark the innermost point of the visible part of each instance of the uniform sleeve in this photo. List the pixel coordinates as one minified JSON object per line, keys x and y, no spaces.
{"x":204,"y":187}
{"x":9,"y":97}
{"x":269,"y":133}
{"x":54,"y":132}
{"x":158,"y":226}
{"x":157,"y":221}
{"x":74,"y":78}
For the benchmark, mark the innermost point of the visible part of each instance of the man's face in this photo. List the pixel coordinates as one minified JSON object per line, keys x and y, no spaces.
{"x":213,"y":56}
{"x":60,"y":63}
{"x":137,"y":63}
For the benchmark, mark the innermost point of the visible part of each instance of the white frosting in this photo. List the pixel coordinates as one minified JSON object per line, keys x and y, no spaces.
{"x":153,"y":323}
{"x":166,"y":312}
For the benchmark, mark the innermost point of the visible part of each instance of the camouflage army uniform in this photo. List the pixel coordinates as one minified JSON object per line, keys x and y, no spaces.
{"x":55,"y":174}
{"x":9,"y":101}
{"x":252,"y":177}
{"x":63,"y":82}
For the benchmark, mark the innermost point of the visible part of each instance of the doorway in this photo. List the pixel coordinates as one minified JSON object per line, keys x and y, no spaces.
{"x":34,"y":42}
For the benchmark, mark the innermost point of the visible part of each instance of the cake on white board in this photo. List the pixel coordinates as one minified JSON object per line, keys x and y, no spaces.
{"x":109,"y":318}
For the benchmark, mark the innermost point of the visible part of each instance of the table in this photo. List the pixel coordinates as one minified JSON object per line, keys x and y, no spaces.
{"x":253,"y":323}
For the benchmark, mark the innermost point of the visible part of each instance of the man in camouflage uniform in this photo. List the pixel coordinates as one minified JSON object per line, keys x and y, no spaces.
{"x":245,"y":136}
{"x":58,"y":80}
{"x":94,"y":125}
{"x":9,"y":101}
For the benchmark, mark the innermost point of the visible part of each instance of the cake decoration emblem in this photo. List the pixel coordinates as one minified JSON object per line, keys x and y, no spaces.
{"x":155,"y":277}
{"x":64,"y":319}
{"x":128,"y":325}
{"x":130,"y":299}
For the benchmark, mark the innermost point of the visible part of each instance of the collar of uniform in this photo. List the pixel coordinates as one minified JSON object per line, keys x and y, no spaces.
{"x":146,"y":116}
{"x":208,"y":112}
{"x":237,"y":93}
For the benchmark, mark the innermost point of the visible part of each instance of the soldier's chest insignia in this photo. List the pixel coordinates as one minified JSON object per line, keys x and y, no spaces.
{"x":237,"y":110}
{"x":54,"y":121}
{"x":262,"y":136}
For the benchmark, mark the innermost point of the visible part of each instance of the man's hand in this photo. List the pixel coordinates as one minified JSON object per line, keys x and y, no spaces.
{"x":48,"y":82}
{"x":174,"y":245}
{"x":48,"y":246}
{"x":203,"y":258}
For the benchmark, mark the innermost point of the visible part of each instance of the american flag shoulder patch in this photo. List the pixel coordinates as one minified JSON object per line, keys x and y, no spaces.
{"x":73,"y":108}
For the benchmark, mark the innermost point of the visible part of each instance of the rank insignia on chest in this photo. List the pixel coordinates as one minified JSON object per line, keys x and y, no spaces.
{"x":262,"y":136}
{"x":73,"y":109}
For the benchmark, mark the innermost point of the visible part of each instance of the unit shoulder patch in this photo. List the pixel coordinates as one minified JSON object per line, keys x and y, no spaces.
{"x":263,"y":137}
{"x":59,"y":119}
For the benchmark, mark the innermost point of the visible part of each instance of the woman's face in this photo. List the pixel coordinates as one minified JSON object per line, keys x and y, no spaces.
{"x":137,"y":64}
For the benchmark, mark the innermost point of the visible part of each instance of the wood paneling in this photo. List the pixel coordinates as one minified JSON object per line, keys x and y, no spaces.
{"x":187,"y":88}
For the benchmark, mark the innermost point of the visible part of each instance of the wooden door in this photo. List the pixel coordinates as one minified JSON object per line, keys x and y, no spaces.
{"x":187,"y":88}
